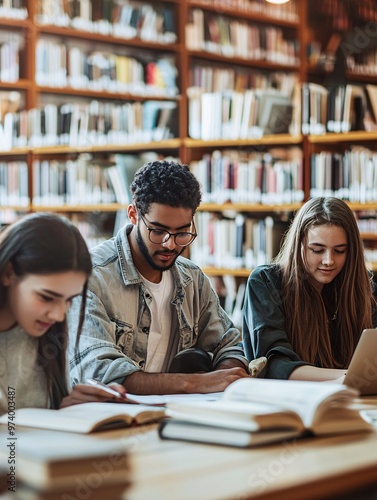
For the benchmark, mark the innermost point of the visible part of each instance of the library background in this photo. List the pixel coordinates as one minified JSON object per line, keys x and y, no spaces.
{"x":269,"y":104}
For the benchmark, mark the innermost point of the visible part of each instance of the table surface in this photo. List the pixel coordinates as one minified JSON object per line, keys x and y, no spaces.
{"x":309,"y":468}
{"x":301,"y":469}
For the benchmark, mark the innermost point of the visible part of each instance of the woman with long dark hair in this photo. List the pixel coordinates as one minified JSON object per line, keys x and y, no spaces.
{"x":306,"y":311}
{"x":44,"y":263}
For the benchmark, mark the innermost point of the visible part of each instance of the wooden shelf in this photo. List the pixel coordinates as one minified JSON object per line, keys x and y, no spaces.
{"x":110,"y":148}
{"x":103,"y":94}
{"x":248,"y":207}
{"x":267,"y":140}
{"x":369,"y":236}
{"x":220,"y":271}
{"x":73,"y":33}
{"x":333,"y":138}
{"x":357,"y":207}
{"x":238,"y":61}
{"x":113,"y":207}
{"x":168,"y":144}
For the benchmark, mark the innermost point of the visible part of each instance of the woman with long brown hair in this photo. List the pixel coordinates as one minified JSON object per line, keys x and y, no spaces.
{"x":305,"y":312}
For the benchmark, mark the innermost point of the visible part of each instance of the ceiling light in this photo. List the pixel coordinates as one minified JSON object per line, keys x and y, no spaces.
{"x":277,"y":1}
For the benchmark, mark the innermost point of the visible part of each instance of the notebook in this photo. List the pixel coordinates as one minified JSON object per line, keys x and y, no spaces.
{"x":362,"y":371}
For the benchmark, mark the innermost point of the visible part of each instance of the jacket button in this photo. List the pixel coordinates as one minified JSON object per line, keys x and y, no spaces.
{"x":146,"y":329}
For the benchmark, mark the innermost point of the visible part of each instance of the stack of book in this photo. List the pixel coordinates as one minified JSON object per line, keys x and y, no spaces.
{"x":51,"y":455}
{"x":61,"y":465}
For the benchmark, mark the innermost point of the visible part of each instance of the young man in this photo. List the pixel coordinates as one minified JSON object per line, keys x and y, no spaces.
{"x":146,"y":302}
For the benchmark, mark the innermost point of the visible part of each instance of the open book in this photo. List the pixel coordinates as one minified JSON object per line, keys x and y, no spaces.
{"x":87,"y":417}
{"x":256,"y":411}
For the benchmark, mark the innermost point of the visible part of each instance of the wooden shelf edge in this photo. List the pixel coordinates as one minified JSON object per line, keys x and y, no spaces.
{"x":219,"y":271}
{"x":168,"y":144}
{"x":275,"y":139}
{"x":248,"y":207}
{"x":369,"y":236}
{"x":68,"y":31}
{"x":112,"y":207}
{"x":333,"y":138}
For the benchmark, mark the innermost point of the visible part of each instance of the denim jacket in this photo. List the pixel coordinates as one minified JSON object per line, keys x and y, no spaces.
{"x":114,"y":338}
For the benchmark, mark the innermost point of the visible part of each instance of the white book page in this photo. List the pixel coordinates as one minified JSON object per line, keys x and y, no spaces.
{"x":304,"y":398}
{"x":162,"y":400}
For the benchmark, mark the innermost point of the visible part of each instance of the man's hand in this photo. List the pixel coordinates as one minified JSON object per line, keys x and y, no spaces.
{"x":216,"y":381}
{"x":85,"y":393}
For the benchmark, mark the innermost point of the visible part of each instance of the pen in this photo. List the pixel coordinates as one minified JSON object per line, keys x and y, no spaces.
{"x":104,"y":387}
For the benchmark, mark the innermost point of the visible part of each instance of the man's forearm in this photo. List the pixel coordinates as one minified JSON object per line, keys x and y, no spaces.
{"x":183,"y":383}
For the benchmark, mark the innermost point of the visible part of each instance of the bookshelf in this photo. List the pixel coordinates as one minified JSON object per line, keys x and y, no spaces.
{"x":104,"y":72}
{"x":233,"y":51}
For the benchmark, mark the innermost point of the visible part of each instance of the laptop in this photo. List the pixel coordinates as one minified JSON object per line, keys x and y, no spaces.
{"x":362,"y":371}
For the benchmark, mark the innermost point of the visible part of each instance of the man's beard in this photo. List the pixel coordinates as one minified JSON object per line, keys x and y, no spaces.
{"x":147,"y":256}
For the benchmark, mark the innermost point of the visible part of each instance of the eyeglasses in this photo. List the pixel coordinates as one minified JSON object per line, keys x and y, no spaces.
{"x":160,"y":236}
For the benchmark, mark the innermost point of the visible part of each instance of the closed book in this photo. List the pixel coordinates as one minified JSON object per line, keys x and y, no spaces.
{"x":54,"y":461}
{"x":182,"y":430}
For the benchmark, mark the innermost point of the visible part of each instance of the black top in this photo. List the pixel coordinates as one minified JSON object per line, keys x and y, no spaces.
{"x":263,"y":329}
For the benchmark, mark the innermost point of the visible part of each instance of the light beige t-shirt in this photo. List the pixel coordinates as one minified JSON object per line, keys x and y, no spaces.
{"x":163,"y":334}
{"x":20,"y":371}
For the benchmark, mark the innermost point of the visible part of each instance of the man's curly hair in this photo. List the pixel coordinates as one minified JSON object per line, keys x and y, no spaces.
{"x":167,"y":183}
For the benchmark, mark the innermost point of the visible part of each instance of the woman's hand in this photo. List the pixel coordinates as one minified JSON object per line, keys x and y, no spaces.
{"x":85,"y":393}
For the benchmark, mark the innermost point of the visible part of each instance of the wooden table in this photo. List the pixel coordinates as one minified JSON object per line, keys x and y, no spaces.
{"x":312,"y":468}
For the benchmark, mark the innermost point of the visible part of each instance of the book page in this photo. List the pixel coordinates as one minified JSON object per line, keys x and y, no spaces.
{"x":245,"y":416}
{"x":164,"y":399}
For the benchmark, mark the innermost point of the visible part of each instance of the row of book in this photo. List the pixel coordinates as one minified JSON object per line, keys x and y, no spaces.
{"x":287,"y":11}
{"x":72,"y":182}
{"x":61,"y":65}
{"x":14,"y":189}
{"x":274,"y":177}
{"x":235,"y":243}
{"x":89,"y":124}
{"x":86,"y":180}
{"x":309,"y":107}
{"x":338,"y":108}
{"x":219,"y":79}
{"x":367,"y":222}
{"x":13,"y":9}
{"x":363,"y":63}
{"x":93,"y":226}
{"x":128,"y":20}
{"x":351,"y":176}
{"x":240,"y":115}
{"x":10,"y":44}
{"x":343,"y":16}
{"x":215,"y":33}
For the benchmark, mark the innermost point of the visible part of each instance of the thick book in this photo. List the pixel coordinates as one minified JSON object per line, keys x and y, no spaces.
{"x":87,"y":417}
{"x":61,"y":462}
{"x":254,"y":411}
